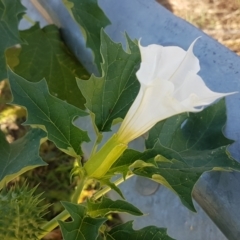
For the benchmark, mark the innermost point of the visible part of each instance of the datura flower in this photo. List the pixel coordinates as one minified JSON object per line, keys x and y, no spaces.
{"x":169,"y":85}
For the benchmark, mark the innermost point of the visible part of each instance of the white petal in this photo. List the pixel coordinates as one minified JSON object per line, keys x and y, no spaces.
{"x":158,"y":62}
{"x":166,"y":63}
{"x":195,"y":93}
{"x":189,"y":63}
{"x":155,"y":104}
{"x":133,"y":109}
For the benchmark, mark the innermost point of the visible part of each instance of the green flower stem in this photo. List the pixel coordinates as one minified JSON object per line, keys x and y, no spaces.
{"x":79,"y":190}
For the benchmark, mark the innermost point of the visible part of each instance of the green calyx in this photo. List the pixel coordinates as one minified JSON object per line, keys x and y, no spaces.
{"x":21,"y":214}
{"x":99,"y":164}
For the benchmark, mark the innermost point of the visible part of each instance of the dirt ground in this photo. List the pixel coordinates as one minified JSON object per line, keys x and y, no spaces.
{"x":218,"y":18}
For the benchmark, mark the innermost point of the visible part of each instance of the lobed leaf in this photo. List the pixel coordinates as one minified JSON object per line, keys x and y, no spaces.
{"x":10,"y":14}
{"x":91,"y":19}
{"x":126,"y":232}
{"x":110,"y":96}
{"x":198,"y":131}
{"x":106,"y":206}
{"x":187,"y":147}
{"x":49,"y":113}
{"x":83,"y":226}
{"x":19,"y":156}
{"x":46,"y":56}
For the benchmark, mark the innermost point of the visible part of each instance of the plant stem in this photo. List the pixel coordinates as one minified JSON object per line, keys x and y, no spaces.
{"x":49,"y":226}
{"x":26,"y":17}
{"x":79,"y":189}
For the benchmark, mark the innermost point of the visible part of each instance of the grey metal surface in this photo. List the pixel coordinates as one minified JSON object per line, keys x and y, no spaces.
{"x":217,"y":193}
{"x":34,"y":15}
{"x":164,"y":209}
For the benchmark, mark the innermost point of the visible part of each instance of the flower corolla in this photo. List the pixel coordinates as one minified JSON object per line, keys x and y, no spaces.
{"x":169,"y":85}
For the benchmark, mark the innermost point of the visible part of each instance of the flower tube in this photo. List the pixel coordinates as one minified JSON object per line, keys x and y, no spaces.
{"x":169,"y":85}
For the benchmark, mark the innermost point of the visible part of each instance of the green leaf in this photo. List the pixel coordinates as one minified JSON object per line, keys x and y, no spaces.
{"x":19,"y":156}
{"x":185,"y":147}
{"x":106,"y":180}
{"x":106,"y":206}
{"x":91,"y":19}
{"x":11,"y":55}
{"x":198,"y":131}
{"x":126,"y":232}
{"x":110,"y":96}
{"x":49,"y":113}
{"x":46,"y":56}
{"x":131,"y":159}
{"x":10,"y":13}
{"x":83,"y":226}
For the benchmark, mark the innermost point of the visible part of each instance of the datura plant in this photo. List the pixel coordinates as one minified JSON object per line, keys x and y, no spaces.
{"x":152,"y":90}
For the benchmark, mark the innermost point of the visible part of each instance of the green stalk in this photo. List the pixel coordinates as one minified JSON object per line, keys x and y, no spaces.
{"x":79,"y":190}
{"x":49,"y":226}
{"x":26,"y":17}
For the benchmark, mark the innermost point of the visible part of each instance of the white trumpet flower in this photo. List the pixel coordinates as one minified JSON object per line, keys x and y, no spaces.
{"x":169,"y":86}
